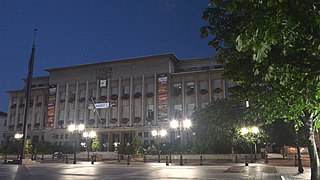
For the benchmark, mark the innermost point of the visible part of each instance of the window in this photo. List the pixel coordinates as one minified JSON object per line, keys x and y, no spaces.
{"x":81,"y":114}
{"x":114,"y":112}
{"x":39,"y":99}
{"x":92,"y":93}
{"x":150,"y":88}
{"x":177,"y":89}
{"x":125,"y":90}
{"x":177,"y":110}
{"x":126,"y":112}
{"x":114,"y":90}
{"x":82,"y":93}
{"x":190,"y":88}
{"x":190,"y":109}
{"x":146,"y":134}
{"x":62,"y":96}
{"x":216,"y":84}
{"x":61,"y":116}
{"x":103,"y":91}
{"x":203,"y":85}
{"x":137,"y":110}
{"x":150,"y":113}
{"x":71,"y":115}
{"x":137,"y":88}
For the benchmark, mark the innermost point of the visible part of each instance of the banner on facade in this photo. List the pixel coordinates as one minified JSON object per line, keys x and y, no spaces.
{"x":162,"y":97}
{"x":51,"y":105}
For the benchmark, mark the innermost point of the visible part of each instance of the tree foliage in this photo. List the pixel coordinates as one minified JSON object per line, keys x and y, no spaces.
{"x":217,"y":126}
{"x":271,"y":49}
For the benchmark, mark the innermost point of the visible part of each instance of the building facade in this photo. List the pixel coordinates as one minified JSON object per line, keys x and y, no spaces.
{"x":3,"y":124}
{"x":118,"y":99}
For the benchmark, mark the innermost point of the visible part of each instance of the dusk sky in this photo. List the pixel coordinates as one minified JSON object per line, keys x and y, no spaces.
{"x":72,"y":32}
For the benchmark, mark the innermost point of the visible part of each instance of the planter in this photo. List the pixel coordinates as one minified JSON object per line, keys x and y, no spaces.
{"x":125,"y":96}
{"x":136,"y":119}
{"x":113,"y":120}
{"x":103,"y":98}
{"x":217,"y":90}
{"x":114,"y":97}
{"x":203,"y":91}
{"x":124,"y":120}
{"x":91,"y":121}
{"x":137,"y":95}
{"x":190,"y":92}
{"x":82,"y":99}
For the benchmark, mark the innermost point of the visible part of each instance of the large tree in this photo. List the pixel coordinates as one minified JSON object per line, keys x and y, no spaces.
{"x":271,"y":49}
{"x":217,"y":126}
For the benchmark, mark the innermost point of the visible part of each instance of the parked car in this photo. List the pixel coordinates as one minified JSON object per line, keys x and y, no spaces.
{"x":57,"y":155}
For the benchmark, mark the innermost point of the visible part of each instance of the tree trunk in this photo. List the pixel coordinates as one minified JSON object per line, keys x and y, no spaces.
{"x":313,"y":154}
{"x":232,"y":154}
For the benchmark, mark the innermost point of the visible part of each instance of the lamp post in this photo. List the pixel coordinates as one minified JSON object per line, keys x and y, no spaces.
{"x":89,"y":135}
{"x":75,"y":129}
{"x":18,"y":137}
{"x":182,"y":124}
{"x":253,"y":131}
{"x":159,"y":134}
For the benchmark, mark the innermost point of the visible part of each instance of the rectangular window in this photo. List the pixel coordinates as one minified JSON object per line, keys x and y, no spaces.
{"x":150,"y":113}
{"x":39,"y":99}
{"x":82,"y":94}
{"x":190,"y":86}
{"x":137,"y":88}
{"x":71,"y":115}
{"x":61,"y":115}
{"x":150,"y":88}
{"x":114,"y":90}
{"x":177,"y":110}
{"x":103,"y":91}
{"x":114,"y":112}
{"x":146,"y":134}
{"x":126,"y":112}
{"x":216,"y":84}
{"x":92,"y":93}
{"x":177,"y":89}
{"x":62,"y":96}
{"x":203,"y":85}
{"x":81,"y":114}
{"x":125,"y":90}
{"x":91,"y":114}
{"x":190,"y":109}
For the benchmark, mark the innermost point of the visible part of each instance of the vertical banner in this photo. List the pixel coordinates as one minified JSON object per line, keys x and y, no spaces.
{"x":162,"y":97}
{"x":51,"y":105}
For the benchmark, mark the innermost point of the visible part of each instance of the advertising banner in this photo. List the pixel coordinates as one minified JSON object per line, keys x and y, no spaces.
{"x":51,"y":105}
{"x":162,"y":96}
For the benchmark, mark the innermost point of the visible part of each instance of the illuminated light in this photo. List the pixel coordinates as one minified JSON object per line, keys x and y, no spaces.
{"x":187,"y":123}
{"x":163,"y":132}
{"x":255,"y":130}
{"x":174,"y":124}
{"x":71,"y":127}
{"x":92,"y":134}
{"x":18,"y":136}
{"x":154,"y":133}
{"x":244,"y":131}
{"x":85,"y":134}
{"x":81,"y":127}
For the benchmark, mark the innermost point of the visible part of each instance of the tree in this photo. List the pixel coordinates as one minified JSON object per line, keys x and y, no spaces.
{"x":217,"y":126}
{"x":95,"y":144}
{"x":271,"y":49}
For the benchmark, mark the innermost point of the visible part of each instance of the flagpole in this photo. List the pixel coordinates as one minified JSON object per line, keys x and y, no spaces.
{"x":27,"y":91}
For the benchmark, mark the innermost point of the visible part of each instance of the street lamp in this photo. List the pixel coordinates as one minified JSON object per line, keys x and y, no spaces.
{"x":182,"y":124}
{"x":75,"y":129}
{"x":159,"y":134}
{"x":251,"y":131}
{"x":18,"y":136}
{"x":89,"y":135}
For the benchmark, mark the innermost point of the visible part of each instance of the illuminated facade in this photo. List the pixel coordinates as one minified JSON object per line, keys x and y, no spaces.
{"x":142,"y":93}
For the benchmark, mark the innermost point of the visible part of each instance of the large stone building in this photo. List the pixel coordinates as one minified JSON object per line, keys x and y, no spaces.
{"x":3,"y":124}
{"x":143,"y":93}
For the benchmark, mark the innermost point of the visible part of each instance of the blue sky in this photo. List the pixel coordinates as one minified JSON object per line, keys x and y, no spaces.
{"x":72,"y":32}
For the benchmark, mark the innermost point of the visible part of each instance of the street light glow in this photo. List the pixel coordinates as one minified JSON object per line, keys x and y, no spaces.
{"x":92,"y":134}
{"x":163,"y":132}
{"x":187,"y":123}
{"x":244,"y":131}
{"x":255,"y":130}
{"x":71,"y":127}
{"x":174,"y":124}
{"x":18,"y":136}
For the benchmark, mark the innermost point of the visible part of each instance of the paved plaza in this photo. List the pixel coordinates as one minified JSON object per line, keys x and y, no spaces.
{"x":137,"y":170}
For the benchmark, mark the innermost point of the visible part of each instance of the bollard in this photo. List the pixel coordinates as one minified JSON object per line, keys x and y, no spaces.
{"x":128,"y":160}
{"x":42,"y":157}
{"x":31,"y":157}
{"x":118,"y":158}
{"x":181,"y":163}
{"x":170,"y":159}
{"x":251,"y":159}
{"x":159,"y":157}
{"x":236,"y":158}
{"x":167,"y":161}
{"x":295,"y":161}
{"x":5,"y":159}
{"x":35,"y":157}
{"x":266,"y":158}
{"x":66,"y":159}
{"x":75,"y":158}
{"x":144,"y":158}
{"x":92,"y":159}
{"x":246,"y":160}
{"x":95,"y":158}
{"x":200,"y":160}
